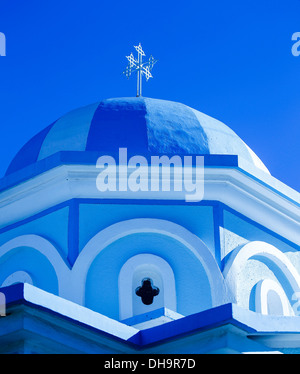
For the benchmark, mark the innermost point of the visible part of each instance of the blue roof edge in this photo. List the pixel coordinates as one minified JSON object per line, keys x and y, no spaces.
{"x":230,"y":313}
{"x":26,"y":294}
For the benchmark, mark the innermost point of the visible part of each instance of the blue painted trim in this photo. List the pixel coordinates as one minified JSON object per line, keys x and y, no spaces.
{"x":259,"y":226}
{"x":215,"y":204}
{"x":73,"y":232}
{"x":90,"y":158}
{"x":146,"y":202}
{"x":222,"y":315}
{"x":98,"y":202}
{"x":218,"y":224}
{"x":218,"y":208}
{"x":15,"y":295}
{"x":144,"y":317}
{"x":205,"y":320}
{"x":35,"y":216}
{"x":226,"y":314}
{"x":269,"y":186}
{"x":211,"y":203}
{"x":43,"y":214}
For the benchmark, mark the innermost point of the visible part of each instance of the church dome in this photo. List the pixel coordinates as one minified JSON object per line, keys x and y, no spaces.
{"x":144,"y":126}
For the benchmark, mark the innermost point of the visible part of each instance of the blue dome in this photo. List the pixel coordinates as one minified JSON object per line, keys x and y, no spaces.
{"x":142,"y":125}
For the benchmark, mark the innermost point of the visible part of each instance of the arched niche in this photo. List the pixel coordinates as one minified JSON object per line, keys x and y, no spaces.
{"x":137,"y":269}
{"x":267,"y":262}
{"x":270,"y":298}
{"x":33,"y":259}
{"x":198,"y":279}
{"x":17,"y":277}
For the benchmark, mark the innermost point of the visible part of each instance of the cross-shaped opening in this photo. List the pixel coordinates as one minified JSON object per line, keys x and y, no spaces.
{"x":147,"y":291}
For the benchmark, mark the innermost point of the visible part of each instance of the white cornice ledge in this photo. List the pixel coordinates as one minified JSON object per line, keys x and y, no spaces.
{"x":261,"y":198}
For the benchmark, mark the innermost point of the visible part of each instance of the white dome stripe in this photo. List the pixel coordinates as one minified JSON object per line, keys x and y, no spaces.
{"x":70,"y":132}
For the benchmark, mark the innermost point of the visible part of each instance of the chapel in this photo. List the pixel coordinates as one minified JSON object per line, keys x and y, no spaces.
{"x":85,"y":270}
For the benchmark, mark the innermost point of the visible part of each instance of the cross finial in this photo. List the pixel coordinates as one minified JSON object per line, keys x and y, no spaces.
{"x":142,"y":68}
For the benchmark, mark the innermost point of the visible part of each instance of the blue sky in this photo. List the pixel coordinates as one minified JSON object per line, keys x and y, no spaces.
{"x":229,"y":59}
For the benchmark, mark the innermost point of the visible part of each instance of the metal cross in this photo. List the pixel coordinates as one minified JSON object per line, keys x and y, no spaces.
{"x":142,"y":68}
